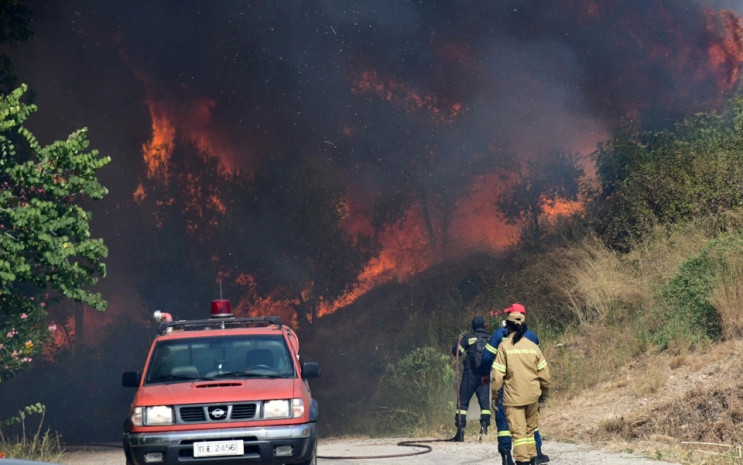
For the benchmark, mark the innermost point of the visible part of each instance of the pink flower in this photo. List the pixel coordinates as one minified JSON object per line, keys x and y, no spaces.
{"x":52,"y":327}
{"x":15,"y":354}
{"x":24,"y":316}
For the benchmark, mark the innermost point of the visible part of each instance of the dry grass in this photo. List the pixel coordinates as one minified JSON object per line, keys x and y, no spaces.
{"x":657,"y":258}
{"x":580,"y":361}
{"x":594,"y":282}
{"x":614,"y":388}
{"x":727,"y":297}
{"x":689,"y":408}
{"x":649,"y":383}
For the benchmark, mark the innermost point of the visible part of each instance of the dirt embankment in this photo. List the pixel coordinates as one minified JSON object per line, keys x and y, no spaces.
{"x":660,"y":403}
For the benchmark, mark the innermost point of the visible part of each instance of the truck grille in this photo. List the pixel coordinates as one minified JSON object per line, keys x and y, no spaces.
{"x":217,"y":413}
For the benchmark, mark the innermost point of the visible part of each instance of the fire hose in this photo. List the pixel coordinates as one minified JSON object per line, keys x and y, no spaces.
{"x":421,"y":443}
{"x":410,"y":443}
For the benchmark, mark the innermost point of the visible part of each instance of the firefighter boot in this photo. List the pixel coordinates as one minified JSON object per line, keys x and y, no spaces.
{"x":459,"y":437}
{"x":507,"y":459}
{"x":483,"y":428}
{"x":541,"y":458}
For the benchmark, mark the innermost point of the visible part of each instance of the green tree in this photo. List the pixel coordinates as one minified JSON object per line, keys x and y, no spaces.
{"x":542,"y":179}
{"x":652,"y":177}
{"x":46,"y":250}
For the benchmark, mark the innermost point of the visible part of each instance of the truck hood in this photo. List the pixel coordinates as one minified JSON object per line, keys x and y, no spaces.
{"x":226,"y":390}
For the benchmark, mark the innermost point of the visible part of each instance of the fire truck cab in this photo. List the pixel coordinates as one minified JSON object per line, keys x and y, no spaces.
{"x":221,"y":391}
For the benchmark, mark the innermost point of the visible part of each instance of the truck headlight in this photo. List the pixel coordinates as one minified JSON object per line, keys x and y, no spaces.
{"x":276,"y":409}
{"x":158,"y":415}
{"x":285,"y":408}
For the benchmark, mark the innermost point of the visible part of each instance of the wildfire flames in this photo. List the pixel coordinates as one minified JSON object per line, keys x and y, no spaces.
{"x":726,"y":55}
{"x":399,"y":94}
{"x":649,"y":37}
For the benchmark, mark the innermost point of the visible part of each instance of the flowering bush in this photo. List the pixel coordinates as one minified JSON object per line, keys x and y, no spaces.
{"x":45,"y":238}
{"x":494,"y":319}
{"x":24,"y":332}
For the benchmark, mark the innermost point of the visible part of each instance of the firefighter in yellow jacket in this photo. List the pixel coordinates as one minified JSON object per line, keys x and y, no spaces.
{"x":521,"y":366}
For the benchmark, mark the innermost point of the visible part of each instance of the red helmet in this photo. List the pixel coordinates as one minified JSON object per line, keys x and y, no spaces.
{"x":516,"y":308}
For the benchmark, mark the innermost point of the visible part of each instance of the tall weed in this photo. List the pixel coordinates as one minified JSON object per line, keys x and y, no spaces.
{"x":16,"y":441}
{"x":727,"y":296}
{"x":596,"y":283}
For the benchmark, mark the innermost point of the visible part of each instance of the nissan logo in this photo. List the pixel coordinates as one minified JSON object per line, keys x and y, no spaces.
{"x":217,"y":413}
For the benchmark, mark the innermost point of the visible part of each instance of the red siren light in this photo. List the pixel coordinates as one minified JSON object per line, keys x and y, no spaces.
{"x":221,"y":309}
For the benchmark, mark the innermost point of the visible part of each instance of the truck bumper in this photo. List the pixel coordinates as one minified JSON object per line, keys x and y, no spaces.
{"x":270,"y":445}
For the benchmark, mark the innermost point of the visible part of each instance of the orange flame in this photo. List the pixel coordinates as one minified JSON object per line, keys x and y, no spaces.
{"x":157,"y":151}
{"x":726,"y":56}
{"x":553,"y":209}
{"x":410,"y":99}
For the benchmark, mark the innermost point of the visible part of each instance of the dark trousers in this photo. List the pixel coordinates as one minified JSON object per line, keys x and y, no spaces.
{"x":472,"y":384}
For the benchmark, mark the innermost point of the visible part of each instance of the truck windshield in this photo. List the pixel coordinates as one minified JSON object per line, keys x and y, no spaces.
{"x":220,"y":357}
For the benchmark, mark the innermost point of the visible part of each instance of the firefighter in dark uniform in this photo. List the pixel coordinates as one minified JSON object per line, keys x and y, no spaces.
{"x":473,"y":381}
{"x":521,"y":370}
{"x":504,"y":434}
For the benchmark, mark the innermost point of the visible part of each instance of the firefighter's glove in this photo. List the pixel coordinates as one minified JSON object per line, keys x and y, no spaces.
{"x":485,"y":379}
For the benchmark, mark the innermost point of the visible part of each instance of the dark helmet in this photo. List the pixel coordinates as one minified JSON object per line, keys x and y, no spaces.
{"x":478,"y":322}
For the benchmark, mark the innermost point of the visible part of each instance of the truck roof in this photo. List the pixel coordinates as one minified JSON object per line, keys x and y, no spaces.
{"x":271,"y":322}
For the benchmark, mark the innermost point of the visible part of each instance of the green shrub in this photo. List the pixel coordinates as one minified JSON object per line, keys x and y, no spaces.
{"x":419,"y":391}
{"x":686,"y":314}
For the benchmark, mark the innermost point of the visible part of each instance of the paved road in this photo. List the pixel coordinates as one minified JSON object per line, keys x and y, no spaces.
{"x":470,"y":452}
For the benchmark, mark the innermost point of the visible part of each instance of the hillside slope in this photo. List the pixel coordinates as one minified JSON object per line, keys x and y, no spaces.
{"x":661,"y":404}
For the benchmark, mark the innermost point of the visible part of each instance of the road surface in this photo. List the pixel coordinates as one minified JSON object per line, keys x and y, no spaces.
{"x":350,"y":451}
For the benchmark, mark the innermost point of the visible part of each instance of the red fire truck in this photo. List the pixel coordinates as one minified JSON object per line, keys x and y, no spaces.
{"x":222,"y":390}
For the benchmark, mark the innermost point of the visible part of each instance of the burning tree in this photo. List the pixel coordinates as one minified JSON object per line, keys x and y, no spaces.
{"x":549,"y":178}
{"x":294,"y":245}
{"x":46,"y":252}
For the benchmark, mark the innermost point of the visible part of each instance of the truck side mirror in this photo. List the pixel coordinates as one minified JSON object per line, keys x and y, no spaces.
{"x":310,"y":370}
{"x":131,"y":379}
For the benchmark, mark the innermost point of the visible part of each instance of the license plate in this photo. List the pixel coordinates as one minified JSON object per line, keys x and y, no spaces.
{"x":217,"y":448}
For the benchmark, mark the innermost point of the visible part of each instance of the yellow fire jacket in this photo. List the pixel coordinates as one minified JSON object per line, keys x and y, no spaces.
{"x":523,"y":370}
